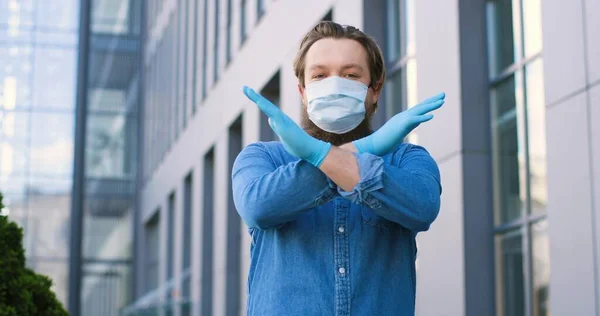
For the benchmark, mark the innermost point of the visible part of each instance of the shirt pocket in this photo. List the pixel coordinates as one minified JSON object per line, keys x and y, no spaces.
{"x":370,"y":218}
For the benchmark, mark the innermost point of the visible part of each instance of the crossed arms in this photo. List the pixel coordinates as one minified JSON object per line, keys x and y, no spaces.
{"x":406,"y":189}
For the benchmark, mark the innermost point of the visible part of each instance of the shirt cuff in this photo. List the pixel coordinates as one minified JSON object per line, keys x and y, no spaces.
{"x":371,"y":178}
{"x":332,"y":184}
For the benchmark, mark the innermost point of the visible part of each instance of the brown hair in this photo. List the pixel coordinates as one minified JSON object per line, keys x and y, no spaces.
{"x":328,"y":29}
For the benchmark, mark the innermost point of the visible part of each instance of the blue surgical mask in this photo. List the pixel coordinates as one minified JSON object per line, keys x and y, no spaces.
{"x":335,"y":104}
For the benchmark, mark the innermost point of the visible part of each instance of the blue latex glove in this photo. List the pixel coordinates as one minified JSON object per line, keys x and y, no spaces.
{"x":295,"y":140}
{"x":393,"y":132}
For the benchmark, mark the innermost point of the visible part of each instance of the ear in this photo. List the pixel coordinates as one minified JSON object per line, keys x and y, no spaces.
{"x":377,"y":87}
{"x":301,"y":90}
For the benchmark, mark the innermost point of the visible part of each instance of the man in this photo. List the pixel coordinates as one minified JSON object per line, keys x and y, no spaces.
{"x":333,"y":209}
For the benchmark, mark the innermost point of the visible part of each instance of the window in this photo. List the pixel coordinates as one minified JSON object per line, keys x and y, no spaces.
{"x":216,"y":47}
{"x":169,"y":98}
{"x":243,"y":21}
{"x":234,"y":228}
{"x":271,"y":92}
{"x":519,"y":157}
{"x":194,"y":57}
{"x":207,"y":233}
{"x":187,"y":245}
{"x":401,"y":67}
{"x":228,"y":48}
{"x":152,"y":253}
{"x":170,"y":235}
{"x":204,"y":48}
{"x":260,"y":9}
{"x":178,"y":66}
{"x":185,"y":7}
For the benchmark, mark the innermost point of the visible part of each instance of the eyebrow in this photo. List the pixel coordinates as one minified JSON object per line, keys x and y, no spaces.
{"x":357,"y":66}
{"x":319,"y":66}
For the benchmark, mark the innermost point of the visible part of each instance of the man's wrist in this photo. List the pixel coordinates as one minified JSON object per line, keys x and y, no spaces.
{"x":349,"y":147}
{"x":320,"y":154}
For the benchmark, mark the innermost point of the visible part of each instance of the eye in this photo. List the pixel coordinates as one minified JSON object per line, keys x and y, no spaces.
{"x":318,"y":76}
{"x":351,"y":76}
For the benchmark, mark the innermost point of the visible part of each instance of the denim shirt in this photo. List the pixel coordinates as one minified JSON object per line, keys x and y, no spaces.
{"x":318,"y":250}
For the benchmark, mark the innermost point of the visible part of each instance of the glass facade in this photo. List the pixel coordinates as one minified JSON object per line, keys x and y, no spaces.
{"x":110,"y":155}
{"x":519,"y":157}
{"x":38,"y":85}
{"x":38,"y":54}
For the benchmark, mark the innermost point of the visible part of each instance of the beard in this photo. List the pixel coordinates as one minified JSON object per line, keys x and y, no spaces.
{"x":362,"y":130}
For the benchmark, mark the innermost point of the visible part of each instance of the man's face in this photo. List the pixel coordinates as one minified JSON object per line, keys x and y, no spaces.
{"x":344,"y":58}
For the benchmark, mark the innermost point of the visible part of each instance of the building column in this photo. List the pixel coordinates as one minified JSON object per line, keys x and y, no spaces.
{"x":250,"y":125}
{"x":572,"y":96}
{"x":220,"y":224}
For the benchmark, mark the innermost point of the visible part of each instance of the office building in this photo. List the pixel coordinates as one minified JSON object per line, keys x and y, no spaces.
{"x":69,"y":90}
{"x":516,"y":143}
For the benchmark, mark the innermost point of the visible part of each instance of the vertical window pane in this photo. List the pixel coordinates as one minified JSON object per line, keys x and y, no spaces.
{"x":394,"y":94}
{"x":243,"y":20}
{"x":16,"y":76}
{"x":55,"y":76}
{"x":49,"y":217}
{"x":12,"y":185}
{"x":187,"y":222}
{"x":111,"y":17}
{"x":260,"y":9}
{"x":541,"y":268}
{"x":170,"y":235}
{"x":104,"y":99}
{"x":58,"y":15}
{"x":184,"y":61}
{"x":152,"y":253}
{"x":393,"y":30}
{"x":510,"y":293}
{"x":105,"y":288}
{"x":501,"y":35}
{"x":14,"y":126}
{"x":177,"y":72}
{"x":536,"y":128}
{"x":509,"y":160}
{"x":216,"y":47}
{"x":204,"y":49}
{"x":532,"y":26}
{"x":14,"y":158}
{"x":208,"y":184}
{"x":234,"y":228}
{"x":195,"y":89}
{"x":16,"y":13}
{"x":228,"y":48}
{"x":105,"y":146}
{"x":52,"y":144}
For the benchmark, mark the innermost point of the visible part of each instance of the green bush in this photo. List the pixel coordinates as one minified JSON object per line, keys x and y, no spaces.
{"x":22,"y":291}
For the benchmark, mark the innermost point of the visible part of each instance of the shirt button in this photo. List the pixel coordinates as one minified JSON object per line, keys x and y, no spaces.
{"x":342,"y":270}
{"x":341,"y":229}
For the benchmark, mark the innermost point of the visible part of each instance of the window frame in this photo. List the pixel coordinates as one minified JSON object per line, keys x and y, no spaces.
{"x":525,"y":222}
{"x":399,"y":65}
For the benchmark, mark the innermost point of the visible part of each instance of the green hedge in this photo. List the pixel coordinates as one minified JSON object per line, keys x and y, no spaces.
{"x":22,"y":291}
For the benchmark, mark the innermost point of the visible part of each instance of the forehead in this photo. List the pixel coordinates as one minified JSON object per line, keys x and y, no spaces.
{"x":336,"y":52}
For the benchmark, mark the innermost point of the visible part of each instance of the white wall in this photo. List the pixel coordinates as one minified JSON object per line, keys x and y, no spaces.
{"x":263,"y":53}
